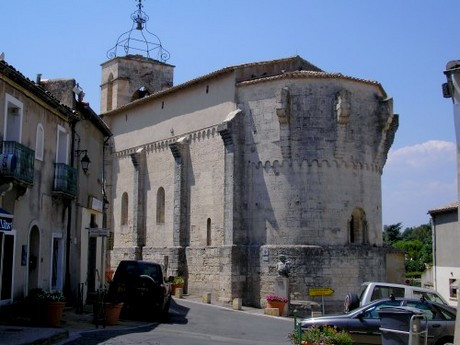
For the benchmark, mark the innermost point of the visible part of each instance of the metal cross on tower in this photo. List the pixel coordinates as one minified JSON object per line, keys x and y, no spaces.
{"x":139,"y":39}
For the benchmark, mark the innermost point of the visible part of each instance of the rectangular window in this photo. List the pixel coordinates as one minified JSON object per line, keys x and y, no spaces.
{"x":386,"y":291}
{"x":39,"y":142}
{"x":13,"y":119}
{"x":62,"y":146}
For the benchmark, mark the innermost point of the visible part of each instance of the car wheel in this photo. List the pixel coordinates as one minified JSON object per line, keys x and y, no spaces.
{"x":351,"y":302}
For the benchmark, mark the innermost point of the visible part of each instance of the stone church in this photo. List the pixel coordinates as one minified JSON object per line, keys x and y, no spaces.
{"x":219,"y":176}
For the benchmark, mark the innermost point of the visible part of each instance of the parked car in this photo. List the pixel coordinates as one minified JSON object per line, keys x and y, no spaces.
{"x":363,"y":323}
{"x":142,"y":287}
{"x":371,"y":291}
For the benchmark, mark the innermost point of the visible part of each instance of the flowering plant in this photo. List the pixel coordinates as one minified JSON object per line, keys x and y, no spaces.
{"x":275,"y":298}
{"x":322,"y":335}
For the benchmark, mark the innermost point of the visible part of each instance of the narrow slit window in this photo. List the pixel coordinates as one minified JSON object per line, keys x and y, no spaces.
{"x":124,"y":209}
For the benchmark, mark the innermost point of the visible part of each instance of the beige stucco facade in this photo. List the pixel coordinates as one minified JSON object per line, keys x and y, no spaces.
{"x":446,"y":258}
{"x":52,"y":201}
{"x":219,"y":176}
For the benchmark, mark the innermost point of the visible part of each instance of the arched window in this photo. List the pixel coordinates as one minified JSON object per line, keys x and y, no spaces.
{"x":208,"y":232}
{"x":110,"y":92}
{"x":39,"y":142}
{"x":124,"y":209}
{"x":160,"y":205}
{"x":140,"y":93}
{"x":357,"y":227}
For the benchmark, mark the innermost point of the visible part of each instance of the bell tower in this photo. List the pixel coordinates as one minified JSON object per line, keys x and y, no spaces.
{"x":141,"y":71}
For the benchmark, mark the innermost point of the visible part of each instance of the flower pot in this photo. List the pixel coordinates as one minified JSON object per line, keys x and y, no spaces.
{"x":112,"y":313}
{"x":175,"y":286}
{"x":53,"y":313}
{"x":276,"y":304}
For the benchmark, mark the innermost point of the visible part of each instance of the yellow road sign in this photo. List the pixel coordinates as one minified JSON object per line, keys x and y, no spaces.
{"x":320,"y":291}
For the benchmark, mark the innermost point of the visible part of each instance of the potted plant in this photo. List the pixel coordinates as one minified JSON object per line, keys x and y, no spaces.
{"x":178,"y":282}
{"x":325,"y":335}
{"x":274,"y":301}
{"x":112,"y":312}
{"x":47,"y":306}
{"x":107,"y":307}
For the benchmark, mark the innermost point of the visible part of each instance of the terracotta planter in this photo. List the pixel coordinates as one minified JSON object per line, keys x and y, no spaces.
{"x":53,"y":313}
{"x":276,"y":304}
{"x":175,"y":286}
{"x":112,"y":313}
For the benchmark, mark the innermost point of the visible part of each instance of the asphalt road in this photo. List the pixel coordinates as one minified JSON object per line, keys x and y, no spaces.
{"x":193,"y":323}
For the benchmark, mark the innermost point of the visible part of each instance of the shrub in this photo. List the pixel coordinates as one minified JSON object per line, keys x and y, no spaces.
{"x":178,"y":280}
{"x":322,"y":335}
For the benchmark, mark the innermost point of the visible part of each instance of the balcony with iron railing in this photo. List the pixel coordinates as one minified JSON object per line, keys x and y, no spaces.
{"x":22,"y":170}
{"x":65,"y":180}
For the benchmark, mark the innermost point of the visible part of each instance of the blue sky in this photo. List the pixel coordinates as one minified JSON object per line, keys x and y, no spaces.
{"x":404,"y":45}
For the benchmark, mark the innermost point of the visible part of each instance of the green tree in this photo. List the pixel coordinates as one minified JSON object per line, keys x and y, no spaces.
{"x":415,"y":241}
{"x":392,"y":233}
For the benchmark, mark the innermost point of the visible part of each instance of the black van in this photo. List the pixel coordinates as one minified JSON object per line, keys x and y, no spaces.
{"x":142,"y":287}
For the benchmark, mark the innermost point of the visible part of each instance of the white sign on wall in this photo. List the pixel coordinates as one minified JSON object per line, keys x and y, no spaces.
{"x":95,"y":204}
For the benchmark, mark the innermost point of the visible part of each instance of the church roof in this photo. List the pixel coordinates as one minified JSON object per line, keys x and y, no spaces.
{"x":254,"y":72}
{"x":311,"y":74}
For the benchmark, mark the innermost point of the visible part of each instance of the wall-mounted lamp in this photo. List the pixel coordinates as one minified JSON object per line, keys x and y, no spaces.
{"x":85,"y":162}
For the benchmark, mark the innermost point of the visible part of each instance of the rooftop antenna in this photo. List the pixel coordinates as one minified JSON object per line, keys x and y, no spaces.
{"x":136,"y":39}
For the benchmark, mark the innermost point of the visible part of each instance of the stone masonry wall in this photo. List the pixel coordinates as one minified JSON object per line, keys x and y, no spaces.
{"x":341,"y":268}
{"x":314,"y":152}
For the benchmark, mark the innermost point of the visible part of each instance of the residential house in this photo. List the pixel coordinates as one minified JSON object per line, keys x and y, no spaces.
{"x":47,"y":200}
{"x":446,"y":257}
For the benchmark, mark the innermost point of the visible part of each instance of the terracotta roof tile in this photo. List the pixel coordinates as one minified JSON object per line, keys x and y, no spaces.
{"x":446,"y":208}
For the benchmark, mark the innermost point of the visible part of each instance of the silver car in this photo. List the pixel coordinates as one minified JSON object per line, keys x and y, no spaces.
{"x":363,"y":323}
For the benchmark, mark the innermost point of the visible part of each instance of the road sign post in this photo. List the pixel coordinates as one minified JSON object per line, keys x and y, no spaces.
{"x":321,"y":292}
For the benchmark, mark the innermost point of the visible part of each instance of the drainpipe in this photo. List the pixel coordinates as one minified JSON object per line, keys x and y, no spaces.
{"x":104,"y":213}
{"x":67,"y":284}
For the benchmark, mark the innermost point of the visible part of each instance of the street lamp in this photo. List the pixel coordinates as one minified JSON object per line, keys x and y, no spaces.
{"x":85,"y":161}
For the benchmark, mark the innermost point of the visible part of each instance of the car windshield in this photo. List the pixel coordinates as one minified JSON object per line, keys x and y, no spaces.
{"x":153,"y":271}
{"x":130,"y":270}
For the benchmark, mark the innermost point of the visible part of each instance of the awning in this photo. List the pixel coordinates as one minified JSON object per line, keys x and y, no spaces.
{"x":6,"y":220}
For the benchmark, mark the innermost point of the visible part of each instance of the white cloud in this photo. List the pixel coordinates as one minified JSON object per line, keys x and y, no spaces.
{"x":421,"y":155}
{"x":416,"y":179}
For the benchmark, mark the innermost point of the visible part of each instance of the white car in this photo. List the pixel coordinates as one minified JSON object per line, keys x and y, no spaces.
{"x":371,"y":291}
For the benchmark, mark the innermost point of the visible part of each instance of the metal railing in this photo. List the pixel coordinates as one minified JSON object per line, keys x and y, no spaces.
{"x":65,"y":179}
{"x":25,"y":158}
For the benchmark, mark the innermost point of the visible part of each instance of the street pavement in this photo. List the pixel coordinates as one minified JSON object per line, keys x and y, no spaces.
{"x":190,"y":322}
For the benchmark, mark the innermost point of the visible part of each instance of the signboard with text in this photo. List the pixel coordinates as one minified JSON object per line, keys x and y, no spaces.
{"x":98,"y":232}
{"x":6,"y":220}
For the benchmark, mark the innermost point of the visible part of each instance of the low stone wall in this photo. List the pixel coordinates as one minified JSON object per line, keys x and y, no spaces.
{"x":249,"y":272}
{"x":341,"y":268}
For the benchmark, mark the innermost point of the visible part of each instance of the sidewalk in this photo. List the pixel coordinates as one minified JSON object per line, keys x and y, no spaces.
{"x":16,"y":329}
